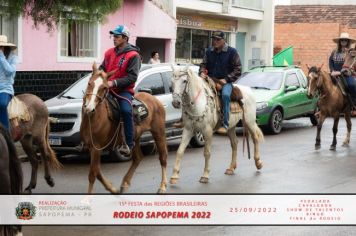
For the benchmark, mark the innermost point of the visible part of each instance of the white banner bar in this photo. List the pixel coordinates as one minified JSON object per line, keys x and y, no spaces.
{"x":178,"y":209}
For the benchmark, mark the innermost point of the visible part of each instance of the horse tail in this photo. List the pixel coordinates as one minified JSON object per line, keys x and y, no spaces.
{"x":53,"y":161}
{"x":16,"y":175}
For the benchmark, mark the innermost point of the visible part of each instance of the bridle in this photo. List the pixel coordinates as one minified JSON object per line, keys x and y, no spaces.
{"x":115,"y":136}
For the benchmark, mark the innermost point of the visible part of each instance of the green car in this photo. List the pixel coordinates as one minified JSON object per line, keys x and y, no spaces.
{"x":281,"y":94}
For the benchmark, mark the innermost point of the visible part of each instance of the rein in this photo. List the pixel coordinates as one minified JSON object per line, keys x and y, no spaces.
{"x":115,"y":136}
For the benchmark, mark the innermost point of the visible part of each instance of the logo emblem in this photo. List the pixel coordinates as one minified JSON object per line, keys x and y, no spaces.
{"x":25,"y":211}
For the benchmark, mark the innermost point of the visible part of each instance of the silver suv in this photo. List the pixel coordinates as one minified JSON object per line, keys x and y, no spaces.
{"x":66,"y":108}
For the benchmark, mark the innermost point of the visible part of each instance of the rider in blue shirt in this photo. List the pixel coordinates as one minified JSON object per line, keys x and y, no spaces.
{"x":8,"y":61}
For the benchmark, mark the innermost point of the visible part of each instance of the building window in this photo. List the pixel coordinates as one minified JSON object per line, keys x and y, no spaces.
{"x":78,"y":38}
{"x":9,"y":27}
{"x":191,"y":44}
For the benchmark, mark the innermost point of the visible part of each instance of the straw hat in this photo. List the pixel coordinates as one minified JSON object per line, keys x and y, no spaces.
{"x":344,"y":36}
{"x":4,"y":43}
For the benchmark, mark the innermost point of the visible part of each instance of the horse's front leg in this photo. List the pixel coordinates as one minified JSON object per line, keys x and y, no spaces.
{"x":349,"y":126}
{"x":335,"y":126}
{"x":95,"y":172}
{"x":136,"y":159}
{"x":319,"y":126}
{"x":233,"y":142}
{"x":186,"y":136}
{"x":208,"y":136}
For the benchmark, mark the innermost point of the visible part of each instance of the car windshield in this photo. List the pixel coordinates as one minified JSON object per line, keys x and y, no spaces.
{"x":77,"y":90}
{"x":262,"y":80}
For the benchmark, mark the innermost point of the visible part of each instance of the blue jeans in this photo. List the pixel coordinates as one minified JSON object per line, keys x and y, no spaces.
{"x":351,"y":86}
{"x":226,"y":98}
{"x":127,"y":114}
{"x":5,"y":98}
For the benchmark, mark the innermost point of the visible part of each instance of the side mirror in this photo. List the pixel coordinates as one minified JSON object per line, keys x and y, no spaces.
{"x":145,"y":90}
{"x":291,"y":88}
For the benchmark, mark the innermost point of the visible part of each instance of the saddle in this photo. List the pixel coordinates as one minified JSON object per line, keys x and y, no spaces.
{"x":140,"y":111}
{"x":236,"y":96}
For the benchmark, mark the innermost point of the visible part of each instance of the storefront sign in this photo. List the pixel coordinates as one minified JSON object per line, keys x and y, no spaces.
{"x":199,"y":22}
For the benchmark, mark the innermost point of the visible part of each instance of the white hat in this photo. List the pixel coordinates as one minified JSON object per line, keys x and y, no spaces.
{"x":344,"y":35}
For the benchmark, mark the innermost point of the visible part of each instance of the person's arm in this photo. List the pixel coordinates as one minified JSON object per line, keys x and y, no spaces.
{"x":331,"y":61}
{"x":236,"y":72}
{"x":132,"y":73}
{"x":9,"y":66}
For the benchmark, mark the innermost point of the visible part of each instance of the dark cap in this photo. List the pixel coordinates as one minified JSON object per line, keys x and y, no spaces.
{"x":218,"y":35}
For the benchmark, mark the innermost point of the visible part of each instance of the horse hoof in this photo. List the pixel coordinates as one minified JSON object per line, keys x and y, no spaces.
{"x":345,"y":145}
{"x":204,"y":180}
{"x":161,"y":191}
{"x":173,"y":181}
{"x":229,"y":172}
{"x":124,"y":189}
{"x":27,"y":191}
{"x":259,"y":164}
{"x":317,"y":147}
{"x":332,"y":148}
{"x":50,"y":181}
{"x":114,"y":190}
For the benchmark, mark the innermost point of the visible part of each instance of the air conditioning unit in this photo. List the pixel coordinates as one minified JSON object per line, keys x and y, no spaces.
{"x":255,"y":63}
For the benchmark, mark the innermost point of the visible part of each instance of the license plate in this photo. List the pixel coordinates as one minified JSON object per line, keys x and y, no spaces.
{"x":55,"y":141}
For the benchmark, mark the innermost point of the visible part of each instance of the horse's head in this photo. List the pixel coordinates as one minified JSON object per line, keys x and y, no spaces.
{"x":314,"y":80}
{"x":349,"y":66}
{"x":179,"y":84}
{"x":97,"y":89}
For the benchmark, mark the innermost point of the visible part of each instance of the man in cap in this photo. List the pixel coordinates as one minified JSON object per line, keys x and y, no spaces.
{"x":125,"y":59}
{"x":222,"y":64}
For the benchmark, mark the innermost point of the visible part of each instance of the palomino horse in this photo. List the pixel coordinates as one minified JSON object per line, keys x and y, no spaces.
{"x":33,"y":135}
{"x":10,"y":175}
{"x":331,"y":103}
{"x":200,"y":113}
{"x":99,"y":132}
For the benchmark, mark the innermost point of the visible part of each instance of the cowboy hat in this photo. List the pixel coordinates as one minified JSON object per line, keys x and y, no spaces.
{"x":344,"y":36}
{"x":4,"y":43}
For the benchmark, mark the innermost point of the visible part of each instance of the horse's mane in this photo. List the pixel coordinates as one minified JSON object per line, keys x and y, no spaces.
{"x":16,"y":176}
{"x":323,"y":73}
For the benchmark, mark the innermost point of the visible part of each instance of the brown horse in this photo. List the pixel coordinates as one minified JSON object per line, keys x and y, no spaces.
{"x":99,"y":132}
{"x":331,"y":103}
{"x":33,"y":135}
{"x":349,"y":67}
{"x":10,"y":174}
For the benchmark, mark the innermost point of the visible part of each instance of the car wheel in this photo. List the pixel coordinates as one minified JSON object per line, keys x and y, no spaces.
{"x":198,"y":140}
{"x":275,"y":122}
{"x":313,"y":120}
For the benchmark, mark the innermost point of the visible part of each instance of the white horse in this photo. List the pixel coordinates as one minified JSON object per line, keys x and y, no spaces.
{"x":200,"y":114}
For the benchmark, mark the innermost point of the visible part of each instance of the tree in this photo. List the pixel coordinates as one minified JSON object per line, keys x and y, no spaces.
{"x":50,"y":12}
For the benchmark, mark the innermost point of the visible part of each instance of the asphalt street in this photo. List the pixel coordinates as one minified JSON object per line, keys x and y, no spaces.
{"x":291,"y":165}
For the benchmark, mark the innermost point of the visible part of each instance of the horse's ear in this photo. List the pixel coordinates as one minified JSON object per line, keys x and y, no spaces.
{"x":173,"y":68}
{"x":190,"y":72}
{"x":109,"y":74}
{"x":319,"y":68}
{"x":95,"y":69}
{"x":308,"y":66}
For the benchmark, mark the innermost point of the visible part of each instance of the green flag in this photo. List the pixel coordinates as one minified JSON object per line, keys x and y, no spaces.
{"x":284,"y":58}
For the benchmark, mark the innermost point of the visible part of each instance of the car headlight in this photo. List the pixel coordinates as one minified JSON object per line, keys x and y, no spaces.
{"x":261,"y":105}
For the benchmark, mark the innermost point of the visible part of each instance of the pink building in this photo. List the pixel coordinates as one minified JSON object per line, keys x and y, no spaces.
{"x":49,"y":62}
